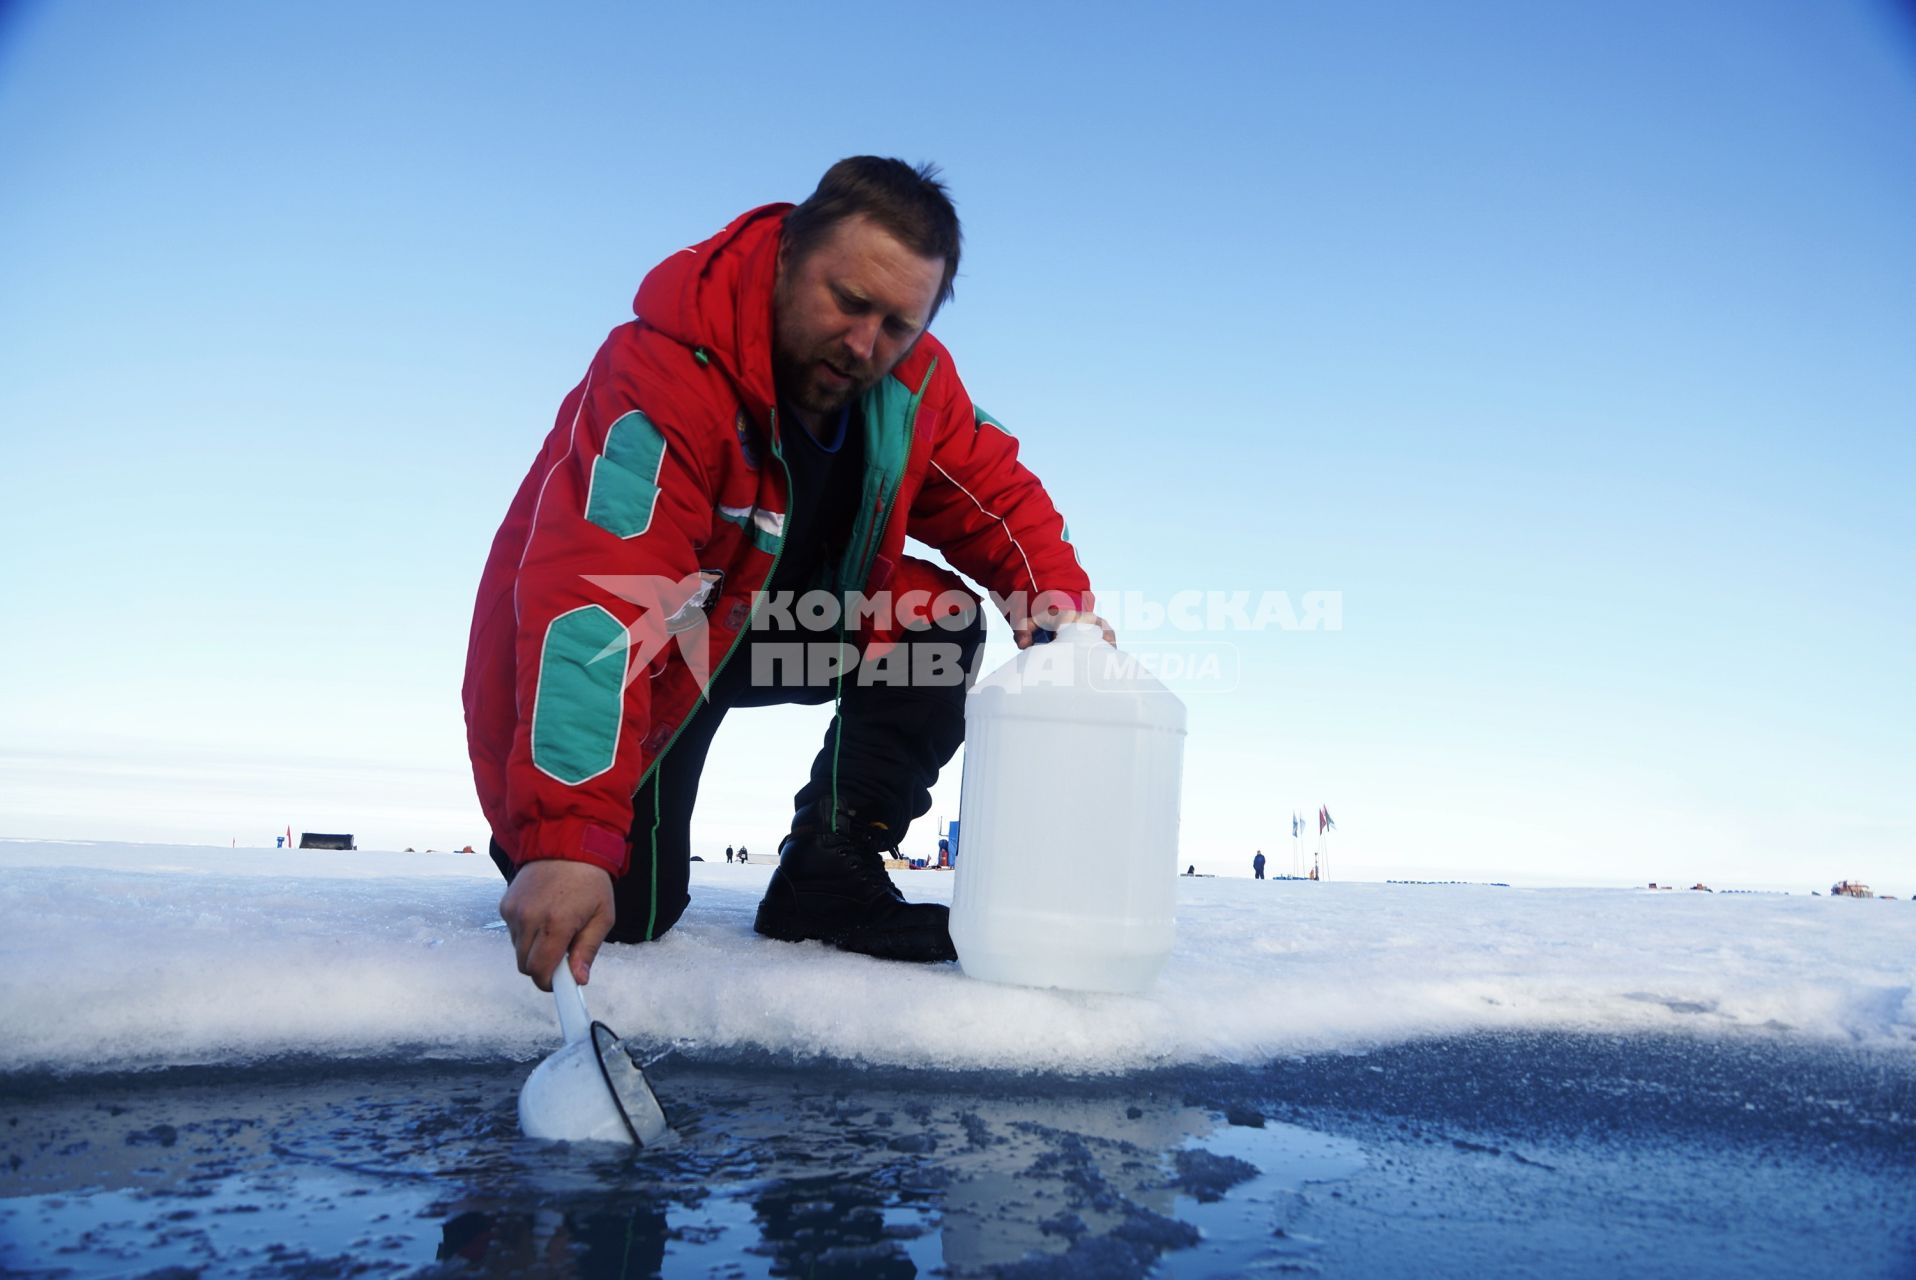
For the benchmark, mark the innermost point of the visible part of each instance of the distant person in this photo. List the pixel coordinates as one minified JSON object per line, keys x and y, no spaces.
{"x":1191,"y":870}
{"x":728,"y":855}
{"x":1257,"y":865}
{"x":743,"y":856}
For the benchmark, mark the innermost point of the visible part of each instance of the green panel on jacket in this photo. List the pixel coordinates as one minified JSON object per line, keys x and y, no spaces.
{"x":625,"y":478}
{"x":575,"y":721}
{"x":889,"y":411}
{"x":766,"y":528}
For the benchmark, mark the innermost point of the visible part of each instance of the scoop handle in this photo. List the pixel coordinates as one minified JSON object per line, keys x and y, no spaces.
{"x":574,"y":1021}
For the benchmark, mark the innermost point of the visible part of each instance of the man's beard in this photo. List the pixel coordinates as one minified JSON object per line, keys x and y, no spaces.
{"x":801,"y":381}
{"x":796,"y":374}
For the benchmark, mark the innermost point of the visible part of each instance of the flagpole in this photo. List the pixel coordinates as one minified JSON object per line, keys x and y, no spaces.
{"x":1323,"y":842}
{"x":1317,"y":854}
{"x":1324,"y":824}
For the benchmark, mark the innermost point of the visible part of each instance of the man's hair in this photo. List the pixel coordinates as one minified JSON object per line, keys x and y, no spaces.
{"x":909,"y":202}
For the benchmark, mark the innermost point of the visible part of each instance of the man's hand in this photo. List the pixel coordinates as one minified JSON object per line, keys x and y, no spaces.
{"x":553,"y":907}
{"x":1052,"y":619}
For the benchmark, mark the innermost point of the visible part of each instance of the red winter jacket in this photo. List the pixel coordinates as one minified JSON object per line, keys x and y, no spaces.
{"x":662,"y":490}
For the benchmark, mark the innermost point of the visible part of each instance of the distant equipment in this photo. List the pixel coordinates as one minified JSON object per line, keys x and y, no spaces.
{"x":1850,"y":889}
{"x":321,"y":840}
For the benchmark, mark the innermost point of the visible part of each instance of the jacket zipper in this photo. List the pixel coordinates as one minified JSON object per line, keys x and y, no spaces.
{"x":874,"y":536}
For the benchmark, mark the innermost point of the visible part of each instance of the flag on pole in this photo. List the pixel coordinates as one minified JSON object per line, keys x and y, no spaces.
{"x":1324,"y":822}
{"x":1297,"y":824}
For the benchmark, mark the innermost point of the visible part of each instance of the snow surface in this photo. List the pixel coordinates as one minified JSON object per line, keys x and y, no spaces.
{"x":118,"y":956}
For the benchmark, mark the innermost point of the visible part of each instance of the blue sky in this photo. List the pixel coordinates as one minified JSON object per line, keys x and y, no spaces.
{"x":1570,"y":345}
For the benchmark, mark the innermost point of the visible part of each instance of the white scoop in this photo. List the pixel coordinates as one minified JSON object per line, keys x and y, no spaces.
{"x":591,"y":1090}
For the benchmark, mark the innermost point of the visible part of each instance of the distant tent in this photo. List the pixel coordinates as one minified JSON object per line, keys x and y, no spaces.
{"x":320,"y":840}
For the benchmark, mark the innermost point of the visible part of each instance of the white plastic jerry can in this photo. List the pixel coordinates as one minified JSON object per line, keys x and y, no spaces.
{"x":1067,"y":874}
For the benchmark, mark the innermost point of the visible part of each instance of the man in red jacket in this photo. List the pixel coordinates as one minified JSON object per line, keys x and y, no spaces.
{"x":717,"y":520}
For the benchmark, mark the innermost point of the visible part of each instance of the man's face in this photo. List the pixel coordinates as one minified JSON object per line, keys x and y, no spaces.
{"x":846,"y":313}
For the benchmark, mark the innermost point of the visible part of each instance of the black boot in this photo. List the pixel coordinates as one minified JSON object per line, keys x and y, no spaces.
{"x":831,"y":887}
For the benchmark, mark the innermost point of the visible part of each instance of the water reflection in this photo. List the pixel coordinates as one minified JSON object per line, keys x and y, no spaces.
{"x":829,"y":1226}
{"x":779,"y":1172}
{"x":550,"y":1242}
{"x":790,"y":1174}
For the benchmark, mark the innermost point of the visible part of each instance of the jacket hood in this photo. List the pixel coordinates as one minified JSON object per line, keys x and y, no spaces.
{"x":716,"y":297}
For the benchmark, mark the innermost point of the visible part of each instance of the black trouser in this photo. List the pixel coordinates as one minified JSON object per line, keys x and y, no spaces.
{"x":896,"y":727}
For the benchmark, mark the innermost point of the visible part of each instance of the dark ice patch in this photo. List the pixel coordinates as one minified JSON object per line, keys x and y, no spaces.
{"x":1207,"y":1176}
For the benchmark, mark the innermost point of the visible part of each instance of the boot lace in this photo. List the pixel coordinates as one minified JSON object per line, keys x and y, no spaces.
{"x":865,"y":851}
